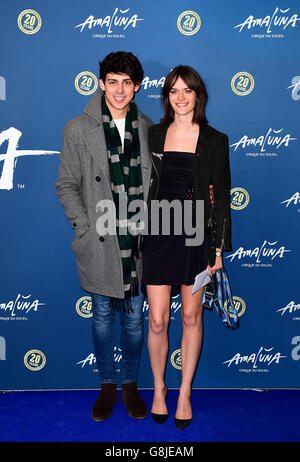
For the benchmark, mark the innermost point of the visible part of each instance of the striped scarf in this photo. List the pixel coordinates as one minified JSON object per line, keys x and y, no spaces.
{"x":126,"y":182}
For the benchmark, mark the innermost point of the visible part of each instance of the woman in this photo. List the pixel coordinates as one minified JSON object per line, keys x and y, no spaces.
{"x":187,"y":156}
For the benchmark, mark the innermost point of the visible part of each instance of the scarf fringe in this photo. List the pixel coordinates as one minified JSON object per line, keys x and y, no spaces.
{"x":124,"y":304}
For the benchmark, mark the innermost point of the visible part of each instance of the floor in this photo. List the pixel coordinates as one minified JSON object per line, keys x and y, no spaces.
{"x":218,"y":416}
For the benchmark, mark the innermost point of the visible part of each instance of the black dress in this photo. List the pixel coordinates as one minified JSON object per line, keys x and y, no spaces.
{"x":167,"y":260}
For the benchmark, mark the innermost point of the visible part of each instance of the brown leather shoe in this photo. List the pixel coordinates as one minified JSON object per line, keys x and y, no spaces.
{"x":105,"y":402}
{"x":130,"y":396}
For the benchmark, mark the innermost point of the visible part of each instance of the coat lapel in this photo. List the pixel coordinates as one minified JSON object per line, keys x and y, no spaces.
{"x":203,"y":139}
{"x":144,"y":153}
{"x":157,"y":153}
{"x":144,"y":141}
{"x":202,"y":154}
{"x":95,"y":140}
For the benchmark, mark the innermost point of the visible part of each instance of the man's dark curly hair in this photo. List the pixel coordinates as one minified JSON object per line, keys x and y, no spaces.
{"x":122,"y":62}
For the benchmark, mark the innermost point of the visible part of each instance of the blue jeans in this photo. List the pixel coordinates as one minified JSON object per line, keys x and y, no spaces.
{"x":132,"y":337}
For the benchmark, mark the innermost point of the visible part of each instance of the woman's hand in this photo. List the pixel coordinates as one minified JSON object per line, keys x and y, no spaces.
{"x":218,"y":265}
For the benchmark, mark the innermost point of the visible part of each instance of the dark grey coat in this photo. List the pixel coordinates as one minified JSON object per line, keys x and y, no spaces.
{"x":83,"y":181}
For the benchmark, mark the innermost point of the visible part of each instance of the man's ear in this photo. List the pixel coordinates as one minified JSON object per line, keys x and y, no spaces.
{"x":137,"y":87}
{"x":102,"y":85}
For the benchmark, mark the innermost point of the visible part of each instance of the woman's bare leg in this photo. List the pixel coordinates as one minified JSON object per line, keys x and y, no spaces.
{"x":191,"y":343}
{"x":159,"y":314}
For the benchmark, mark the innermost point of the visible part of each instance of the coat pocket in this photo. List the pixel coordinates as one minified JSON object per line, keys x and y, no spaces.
{"x":82,"y":243}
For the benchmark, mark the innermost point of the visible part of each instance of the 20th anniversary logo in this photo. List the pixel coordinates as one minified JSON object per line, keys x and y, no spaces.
{"x":29,"y":21}
{"x":188,"y":23}
{"x":239,"y":198}
{"x":239,"y":305}
{"x":34,"y":360}
{"x":242,"y":83}
{"x":84,"y":307}
{"x":176,"y":359}
{"x":86,"y":83}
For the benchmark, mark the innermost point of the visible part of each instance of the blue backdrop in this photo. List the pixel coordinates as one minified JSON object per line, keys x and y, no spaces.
{"x":248,"y":55}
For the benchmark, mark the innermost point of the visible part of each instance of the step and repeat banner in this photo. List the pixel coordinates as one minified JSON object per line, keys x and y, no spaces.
{"x":249,"y":57}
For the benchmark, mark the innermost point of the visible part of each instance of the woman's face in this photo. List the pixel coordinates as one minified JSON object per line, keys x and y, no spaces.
{"x":182,"y":98}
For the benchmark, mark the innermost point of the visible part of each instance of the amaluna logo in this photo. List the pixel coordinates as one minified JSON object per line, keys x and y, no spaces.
{"x":12,"y":135}
{"x":22,"y":303}
{"x":294,"y":199}
{"x":289,"y":308}
{"x":266,"y":250}
{"x":156,"y":83}
{"x":109,"y":22}
{"x":273,"y":138}
{"x":91,"y":358}
{"x":263,"y":356}
{"x":279,"y":19}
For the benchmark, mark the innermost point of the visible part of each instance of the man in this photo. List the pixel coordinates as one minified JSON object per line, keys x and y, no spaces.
{"x":105,"y":153}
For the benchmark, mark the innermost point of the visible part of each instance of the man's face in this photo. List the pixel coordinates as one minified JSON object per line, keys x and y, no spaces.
{"x":119,"y":91}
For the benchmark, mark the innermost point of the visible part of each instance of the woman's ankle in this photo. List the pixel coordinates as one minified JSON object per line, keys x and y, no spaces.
{"x":185,"y":391}
{"x":159,"y":385}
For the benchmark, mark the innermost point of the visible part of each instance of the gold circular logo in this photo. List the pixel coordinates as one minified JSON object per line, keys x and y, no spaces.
{"x":239,"y":305}
{"x":239,"y":198}
{"x":29,"y":22}
{"x":242,"y":83}
{"x":34,"y":360}
{"x":84,"y":307}
{"x":189,"y":23}
{"x":86,"y":83}
{"x":176,"y":359}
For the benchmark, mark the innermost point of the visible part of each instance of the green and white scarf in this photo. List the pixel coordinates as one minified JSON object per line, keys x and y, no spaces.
{"x":126,"y":179}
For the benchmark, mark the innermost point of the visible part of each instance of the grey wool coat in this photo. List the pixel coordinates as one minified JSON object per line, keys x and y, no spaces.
{"x":83,"y":181}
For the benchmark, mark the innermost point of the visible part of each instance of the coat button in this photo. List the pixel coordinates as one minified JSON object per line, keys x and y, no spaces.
{"x":98,"y":178}
{"x":101,"y":238}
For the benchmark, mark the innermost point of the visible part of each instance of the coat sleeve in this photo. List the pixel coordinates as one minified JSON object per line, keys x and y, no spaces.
{"x":221,"y":181}
{"x":151,"y":135}
{"x":68,"y":183}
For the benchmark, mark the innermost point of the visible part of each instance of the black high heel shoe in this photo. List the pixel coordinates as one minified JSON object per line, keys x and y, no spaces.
{"x":160,"y":418}
{"x":182,"y":423}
